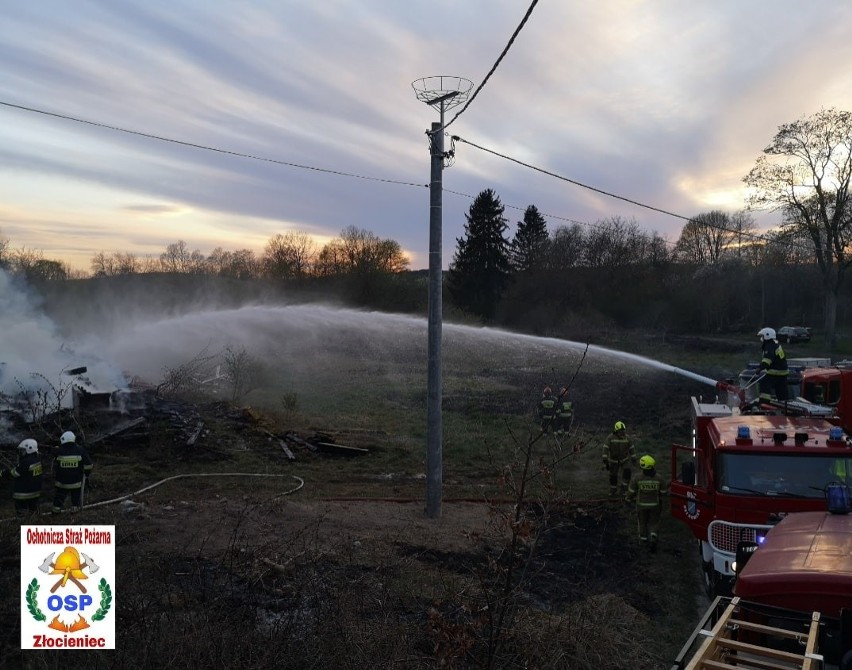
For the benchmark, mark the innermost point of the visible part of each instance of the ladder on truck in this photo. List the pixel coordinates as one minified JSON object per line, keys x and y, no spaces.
{"x":725,"y":649}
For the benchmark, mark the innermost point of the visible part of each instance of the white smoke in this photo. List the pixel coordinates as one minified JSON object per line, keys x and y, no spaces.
{"x":34,"y":356}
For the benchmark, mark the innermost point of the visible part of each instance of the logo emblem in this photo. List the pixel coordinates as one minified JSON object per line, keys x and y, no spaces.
{"x":67,"y":593}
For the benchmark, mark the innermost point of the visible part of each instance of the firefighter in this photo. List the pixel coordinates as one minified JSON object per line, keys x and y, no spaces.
{"x":773,"y":365}
{"x":564,"y":412}
{"x":71,"y":467}
{"x":27,"y":474}
{"x":647,"y":488}
{"x":618,"y":454}
{"x":547,"y":409}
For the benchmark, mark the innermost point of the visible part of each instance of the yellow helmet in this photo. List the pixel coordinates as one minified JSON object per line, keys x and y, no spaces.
{"x":647,"y":462}
{"x":68,"y":564}
{"x":619,"y":425}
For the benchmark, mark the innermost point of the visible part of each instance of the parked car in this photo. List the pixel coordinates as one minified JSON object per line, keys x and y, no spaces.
{"x":794,"y":334}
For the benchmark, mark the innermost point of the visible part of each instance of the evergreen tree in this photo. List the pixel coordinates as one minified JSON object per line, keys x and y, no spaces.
{"x":528,"y":250}
{"x":480,"y":270}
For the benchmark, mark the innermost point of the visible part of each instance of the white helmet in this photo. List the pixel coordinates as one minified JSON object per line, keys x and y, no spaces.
{"x":28,"y":446}
{"x":67,"y":436}
{"x":766,"y":334}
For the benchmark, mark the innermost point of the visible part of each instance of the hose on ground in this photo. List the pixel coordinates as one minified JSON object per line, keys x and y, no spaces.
{"x":111,"y":501}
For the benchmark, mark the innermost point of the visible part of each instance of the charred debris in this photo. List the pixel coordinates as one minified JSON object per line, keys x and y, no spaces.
{"x":140,"y":415}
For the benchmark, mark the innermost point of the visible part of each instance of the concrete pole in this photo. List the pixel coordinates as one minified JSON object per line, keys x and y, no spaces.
{"x":434,"y":427}
{"x":434,"y":431}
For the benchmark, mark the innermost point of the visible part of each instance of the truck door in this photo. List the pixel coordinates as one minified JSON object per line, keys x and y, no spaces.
{"x":691,"y":499}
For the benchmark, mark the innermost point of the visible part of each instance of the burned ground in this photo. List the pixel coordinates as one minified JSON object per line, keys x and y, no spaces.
{"x":346,"y":571}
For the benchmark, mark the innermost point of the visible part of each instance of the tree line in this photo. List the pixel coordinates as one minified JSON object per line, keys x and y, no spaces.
{"x":718,"y":276}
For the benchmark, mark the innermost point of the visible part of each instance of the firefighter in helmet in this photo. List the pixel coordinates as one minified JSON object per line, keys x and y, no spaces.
{"x":564,"y":412}
{"x":773,"y":366}
{"x":27,"y":474}
{"x":618,"y":454}
{"x":71,"y":467}
{"x":547,"y":409}
{"x":647,"y":488}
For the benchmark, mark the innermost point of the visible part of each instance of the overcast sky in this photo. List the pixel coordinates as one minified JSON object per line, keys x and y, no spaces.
{"x":665,"y":102}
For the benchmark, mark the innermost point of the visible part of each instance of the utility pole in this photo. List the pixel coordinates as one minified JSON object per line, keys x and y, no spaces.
{"x":440,"y":93}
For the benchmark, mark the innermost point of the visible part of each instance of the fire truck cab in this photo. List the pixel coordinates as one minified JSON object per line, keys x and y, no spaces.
{"x":745,"y":470}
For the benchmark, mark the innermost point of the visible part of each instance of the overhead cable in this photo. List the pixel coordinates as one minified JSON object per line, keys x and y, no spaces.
{"x":496,"y":64}
{"x":755,"y":236}
{"x":206,"y":148}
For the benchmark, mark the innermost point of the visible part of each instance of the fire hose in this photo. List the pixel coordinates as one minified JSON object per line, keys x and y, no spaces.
{"x":111,"y":501}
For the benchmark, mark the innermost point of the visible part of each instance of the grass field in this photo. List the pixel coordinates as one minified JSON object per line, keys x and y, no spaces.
{"x":547,"y":577}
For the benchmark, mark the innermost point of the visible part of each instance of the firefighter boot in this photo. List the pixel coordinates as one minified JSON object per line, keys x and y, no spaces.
{"x":653,"y":543}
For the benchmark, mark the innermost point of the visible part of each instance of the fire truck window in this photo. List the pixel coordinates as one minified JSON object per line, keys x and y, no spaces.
{"x":800,"y":476}
{"x":815,"y":393}
{"x":833,"y":392}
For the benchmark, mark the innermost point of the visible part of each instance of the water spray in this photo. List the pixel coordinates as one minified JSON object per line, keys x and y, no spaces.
{"x":656,"y":364}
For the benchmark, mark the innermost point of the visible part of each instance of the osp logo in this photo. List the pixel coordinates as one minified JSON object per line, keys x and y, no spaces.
{"x":67,"y":592}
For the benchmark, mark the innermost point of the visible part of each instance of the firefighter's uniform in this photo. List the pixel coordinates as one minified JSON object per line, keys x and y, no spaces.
{"x":564,"y":413}
{"x":647,"y":488}
{"x":26,"y":491}
{"x":618,"y":453}
{"x":774,"y":366}
{"x":547,"y":410}
{"x":71,"y":465}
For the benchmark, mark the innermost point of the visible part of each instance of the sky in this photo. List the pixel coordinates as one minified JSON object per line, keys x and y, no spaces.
{"x":664,"y":102}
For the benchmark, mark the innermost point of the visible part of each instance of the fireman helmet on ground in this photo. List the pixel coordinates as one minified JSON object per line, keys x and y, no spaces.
{"x":766,"y":334}
{"x":647,"y":462}
{"x":67,"y":436}
{"x":619,"y":425}
{"x":28,"y":446}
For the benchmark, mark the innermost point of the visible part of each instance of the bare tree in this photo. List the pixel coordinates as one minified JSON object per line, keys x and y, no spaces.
{"x":126,"y":263}
{"x":115,"y":264}
{"x":102,"y":265}
{"x":616,"y":242}
{"x":360,"y":252}
{"x":566,"y":249}
{"x":5,"y":260}
{"x":712,"y":237}
{"x":240,"y":264}
{"x":805,"y":173}
{"x":289,"y":255}
{"x":178,"y":258}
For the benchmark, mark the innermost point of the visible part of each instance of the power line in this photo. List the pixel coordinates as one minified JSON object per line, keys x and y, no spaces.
{"x":97,"y":124}
{"x":753,"y":236}
{"x":496,"y":64}
{"x":551,"y":216}
{"x":238,"y":154}
{"x":193,"y":145}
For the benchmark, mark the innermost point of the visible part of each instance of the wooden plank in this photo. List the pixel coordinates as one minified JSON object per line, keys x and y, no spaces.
{"x":768,"y":652}
{"x":745,"y":663}
{"x":195,"y":434}
{"x":769,"y":630}
{"x":708,"y":647}
{"x":811,"y":647}
{"x":286,"y":450}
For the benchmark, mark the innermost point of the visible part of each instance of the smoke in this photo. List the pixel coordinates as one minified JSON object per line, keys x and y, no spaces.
{"x":34,"y":355}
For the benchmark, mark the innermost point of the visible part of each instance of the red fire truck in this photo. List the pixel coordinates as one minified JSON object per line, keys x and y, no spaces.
{"x":793,"y":600}
{"x":747,"y":466}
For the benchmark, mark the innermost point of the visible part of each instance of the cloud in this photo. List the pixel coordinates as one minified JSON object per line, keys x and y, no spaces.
{"x":663,"y":102}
